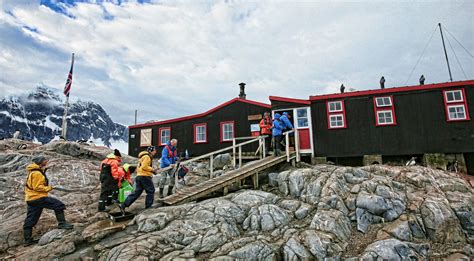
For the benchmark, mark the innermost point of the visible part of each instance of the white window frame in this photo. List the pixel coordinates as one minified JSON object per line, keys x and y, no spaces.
{"x":385,"y":123}
{"x":223,"y":127}
{"x":336,"y":115}
{"x":298,"y":118}
{"x":453,"y":101}
{"x":197,"y":133}
{"x":457,"y":106}
{"x":162,"y":130}
{"x":335,"y":110}
{"x":382,"y":99}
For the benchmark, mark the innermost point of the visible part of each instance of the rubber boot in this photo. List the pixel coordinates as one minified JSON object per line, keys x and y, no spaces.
{"x":170,"y":191}
{"x":101,"y":207}
{"x":160,"y":192}
{"x":62,"y":224}
{"x":122,"y":209}
{"x":27,"y":234}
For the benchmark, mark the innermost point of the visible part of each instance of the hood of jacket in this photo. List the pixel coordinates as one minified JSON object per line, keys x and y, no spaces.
{"x":277,"y":116}
{"x":32,"y":166}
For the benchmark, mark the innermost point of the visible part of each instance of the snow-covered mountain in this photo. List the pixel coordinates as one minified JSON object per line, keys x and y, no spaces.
{"x":38,"y":117}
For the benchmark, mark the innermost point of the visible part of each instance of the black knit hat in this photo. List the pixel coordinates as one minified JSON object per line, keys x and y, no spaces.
{"x":151,"y":148}
{"x":117,"y":153}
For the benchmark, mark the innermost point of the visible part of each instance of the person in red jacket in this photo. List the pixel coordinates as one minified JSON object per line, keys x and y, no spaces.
{"x":266,"y":129}
{"x":109,"y":179}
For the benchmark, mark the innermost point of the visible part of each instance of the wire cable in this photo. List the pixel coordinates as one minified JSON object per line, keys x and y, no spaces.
{"x":422,"y":53}
{"x":447,"y":38}
{"x":458,"y":41}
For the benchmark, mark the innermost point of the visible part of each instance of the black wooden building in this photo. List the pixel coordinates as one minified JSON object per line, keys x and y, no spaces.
{"x":394,"y":124}
{"x":204,"y":132}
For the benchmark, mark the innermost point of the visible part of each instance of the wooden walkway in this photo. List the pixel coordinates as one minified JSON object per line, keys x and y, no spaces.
{"x":188,"y":194}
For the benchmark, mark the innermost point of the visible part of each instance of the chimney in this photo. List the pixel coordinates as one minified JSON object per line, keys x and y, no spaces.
{"x":242,"y":94}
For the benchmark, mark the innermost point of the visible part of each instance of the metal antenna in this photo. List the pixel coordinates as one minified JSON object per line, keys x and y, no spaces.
{"x":445,"y":53}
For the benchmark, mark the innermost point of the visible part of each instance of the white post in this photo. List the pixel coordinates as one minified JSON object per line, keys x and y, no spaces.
{"x":240,"y":157}
{"x":287,"y":146}
{"x":233,"y":153}
{"x":264,"y":148}
{"x":297,"y":145}
{"x":211,"y":167}
{"x":64,"y":127}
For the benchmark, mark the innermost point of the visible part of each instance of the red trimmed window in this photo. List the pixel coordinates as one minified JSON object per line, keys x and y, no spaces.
{"x":455,"y":104}
{"x":227,"y":131}
{"x":336,"y":113}
{"x":384,"y":111}
{"x":164,"y":135}
{"x":200,"y":133}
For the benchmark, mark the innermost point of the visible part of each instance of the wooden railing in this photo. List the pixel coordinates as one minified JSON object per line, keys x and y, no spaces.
{"x":260,"y":150}
{"x":210,"y":155}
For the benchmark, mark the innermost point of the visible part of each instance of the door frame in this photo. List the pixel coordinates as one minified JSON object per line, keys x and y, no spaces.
{"x":295,"y":124}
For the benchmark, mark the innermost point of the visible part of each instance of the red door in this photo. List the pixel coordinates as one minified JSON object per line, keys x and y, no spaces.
{"x":305,"y":141}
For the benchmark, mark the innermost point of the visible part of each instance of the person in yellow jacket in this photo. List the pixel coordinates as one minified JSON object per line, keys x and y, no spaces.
{"x":36,"y":196}
{"x":143,"y":181}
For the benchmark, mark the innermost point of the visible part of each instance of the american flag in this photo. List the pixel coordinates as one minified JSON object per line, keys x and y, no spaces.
{"x":67,"y":87}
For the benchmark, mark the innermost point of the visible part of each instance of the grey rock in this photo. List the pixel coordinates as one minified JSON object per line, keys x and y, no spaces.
{"x":51,"y":236}
{"x":332,"y":221}
{"x":222,"y":160}
{"x":440,"y":221}
{"x":303,"y":211}
{"x":266,"y":217}
{"x":392,"y":249}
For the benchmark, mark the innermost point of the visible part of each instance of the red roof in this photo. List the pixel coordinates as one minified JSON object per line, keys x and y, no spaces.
{"x":290,"y":100}
{"x":392,"y":90}
{"x":200,"y":114}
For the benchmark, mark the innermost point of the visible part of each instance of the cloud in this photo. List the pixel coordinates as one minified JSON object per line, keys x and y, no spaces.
{"x":170,"y":59}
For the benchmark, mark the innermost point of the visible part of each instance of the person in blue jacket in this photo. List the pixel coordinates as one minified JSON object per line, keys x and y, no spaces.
{"x":277,"y":133}
{"x":169,"y":156}
{"x":286,"y":121}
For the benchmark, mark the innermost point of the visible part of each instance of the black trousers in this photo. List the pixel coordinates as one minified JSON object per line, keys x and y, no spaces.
{"x":108,"y":191}
{"x":35,"y":208}
{"x":277,"y":144}
{"x":142,"y":183}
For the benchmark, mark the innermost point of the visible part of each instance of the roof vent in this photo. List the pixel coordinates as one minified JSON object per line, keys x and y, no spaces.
{"x":242,"y":94}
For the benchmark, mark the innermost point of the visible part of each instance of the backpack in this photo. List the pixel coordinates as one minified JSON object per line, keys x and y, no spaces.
{"x":182,"y":172}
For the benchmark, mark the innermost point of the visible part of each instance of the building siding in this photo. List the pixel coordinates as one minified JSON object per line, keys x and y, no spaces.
{"x":184,"y":131}
{"x":421,"y":127}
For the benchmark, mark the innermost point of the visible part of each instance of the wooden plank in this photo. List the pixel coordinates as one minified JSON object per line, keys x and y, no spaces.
{"x":223,"y":181}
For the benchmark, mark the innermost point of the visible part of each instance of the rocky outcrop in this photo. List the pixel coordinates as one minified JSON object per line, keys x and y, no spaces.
{"x":317,"y":213}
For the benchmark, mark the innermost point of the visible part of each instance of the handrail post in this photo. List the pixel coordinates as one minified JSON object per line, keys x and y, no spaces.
{"x":297,"y":146}
{"x":233,"y":152}
{"x":211,"y":167}
{"x":287,"y":147}
{"x":260,"y":147}
{"x":264,"y":152}
{"x":240,"y":156}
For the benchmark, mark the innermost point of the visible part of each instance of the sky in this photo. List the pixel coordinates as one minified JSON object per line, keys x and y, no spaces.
{"x":169,"y":59}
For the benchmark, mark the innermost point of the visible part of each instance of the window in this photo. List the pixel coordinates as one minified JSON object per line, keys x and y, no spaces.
{"x":227,"y":131}
{"x":145,"y":137}
{"x":200,"y":133}
{"x":336,"y":121}
{"x":456,"y":105}
{"x":383,"y":101}
{"x":454,"y":96}
{"x":384,"y":111}
{"x":456,"y":112}
{"x":336,"y":114}
{"x":165,"y":136}
{"x":335,"y":106}
{"x":302,"y":116}
{"x":384,"y":117}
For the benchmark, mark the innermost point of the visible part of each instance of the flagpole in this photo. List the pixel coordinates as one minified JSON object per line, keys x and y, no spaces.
{"x":64,"y":128}
{"x":66,"y":105}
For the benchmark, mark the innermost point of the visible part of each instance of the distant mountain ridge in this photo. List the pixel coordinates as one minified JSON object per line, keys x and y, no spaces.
{"x":38,"y":117}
